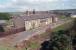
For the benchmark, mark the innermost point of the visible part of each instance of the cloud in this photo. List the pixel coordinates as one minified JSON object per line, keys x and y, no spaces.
{"x":23,"y":5}
{"x":1,"y":6}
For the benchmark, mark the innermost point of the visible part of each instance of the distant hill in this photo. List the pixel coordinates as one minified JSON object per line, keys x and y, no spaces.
{"x":63,"y":11}
{"x":51,"y":11}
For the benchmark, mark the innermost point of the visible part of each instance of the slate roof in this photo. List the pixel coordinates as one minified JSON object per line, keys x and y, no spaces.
{"x":37,"y":16}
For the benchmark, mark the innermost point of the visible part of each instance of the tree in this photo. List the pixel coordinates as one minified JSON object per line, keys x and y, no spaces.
{"x":4,"y":16}
{"x":74,"y":25}
{"x":73,"y":34}
{"x":1,"y":29}
{"x":67,"y":14}
{"x":59,"y":41}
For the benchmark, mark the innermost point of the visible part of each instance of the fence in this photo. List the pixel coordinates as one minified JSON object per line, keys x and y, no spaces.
{"x":12,"y":31}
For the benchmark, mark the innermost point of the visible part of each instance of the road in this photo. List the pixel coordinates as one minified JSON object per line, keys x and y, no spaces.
{"x":19,"y":37}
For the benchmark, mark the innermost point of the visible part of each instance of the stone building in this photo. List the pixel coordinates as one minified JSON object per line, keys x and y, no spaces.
{"x":33,"y":20}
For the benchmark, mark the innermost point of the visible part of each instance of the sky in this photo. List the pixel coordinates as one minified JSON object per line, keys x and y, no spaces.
{"x":39,"y":5}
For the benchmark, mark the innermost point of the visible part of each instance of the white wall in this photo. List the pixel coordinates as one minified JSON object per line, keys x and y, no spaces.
{"x":32,"y":24}
{"x":36,"y":23}
{"x":48,"y":20}
{"x":27,"y":25}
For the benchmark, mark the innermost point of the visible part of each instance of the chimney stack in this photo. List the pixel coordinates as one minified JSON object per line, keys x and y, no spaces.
{"x":27,"y":12}
{"x":33,"y":11}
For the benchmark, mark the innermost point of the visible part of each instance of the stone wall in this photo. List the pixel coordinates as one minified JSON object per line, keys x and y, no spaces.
{"x":17,"y":22}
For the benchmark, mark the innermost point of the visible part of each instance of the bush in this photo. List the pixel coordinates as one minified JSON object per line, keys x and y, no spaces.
{"x":59,"y":41}
{"x":1,"y":29}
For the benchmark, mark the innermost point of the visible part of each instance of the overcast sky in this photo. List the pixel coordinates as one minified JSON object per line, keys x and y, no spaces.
{"x":23,"y":5}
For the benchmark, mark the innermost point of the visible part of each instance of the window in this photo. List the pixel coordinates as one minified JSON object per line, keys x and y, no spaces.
{"x":43,"y":20}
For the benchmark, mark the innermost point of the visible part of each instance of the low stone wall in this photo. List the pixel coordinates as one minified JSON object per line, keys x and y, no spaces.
{"x":12,"y":31}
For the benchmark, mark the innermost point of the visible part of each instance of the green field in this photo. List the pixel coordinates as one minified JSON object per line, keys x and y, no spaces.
{"x":63,"y":27}
{"x":7,"y":48}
